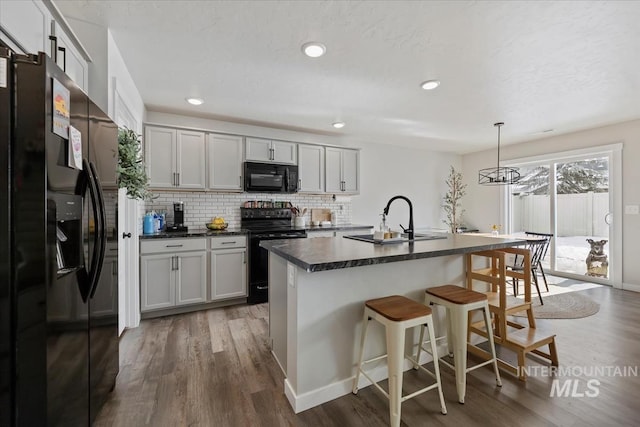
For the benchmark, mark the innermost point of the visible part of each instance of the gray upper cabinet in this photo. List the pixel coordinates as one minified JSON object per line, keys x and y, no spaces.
{"x":270,"y":151}
{"x":311,"y":168}
{"x":190,"y":161}
{"x":342,"y":170}
{"x":71,"y":61}
{"x":159,"y":153}
{"x":225,"y":162}
{"x":29,"y":24}
{"x":175,"y":158}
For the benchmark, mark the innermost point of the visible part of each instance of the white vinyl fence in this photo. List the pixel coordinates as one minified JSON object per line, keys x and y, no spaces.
{"x":578,"y":214}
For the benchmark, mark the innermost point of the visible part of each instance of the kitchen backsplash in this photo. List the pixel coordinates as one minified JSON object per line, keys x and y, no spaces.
{"x":199,"y":208}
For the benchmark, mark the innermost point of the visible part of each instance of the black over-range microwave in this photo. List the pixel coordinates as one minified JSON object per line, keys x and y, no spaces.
{"x":270,"y":178}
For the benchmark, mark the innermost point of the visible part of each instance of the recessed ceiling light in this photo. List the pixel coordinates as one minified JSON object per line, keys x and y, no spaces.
{"x":338,"y":125}
{"x":430,"y":84}
{"x":314,"y":49}
{"x":195,"y":101}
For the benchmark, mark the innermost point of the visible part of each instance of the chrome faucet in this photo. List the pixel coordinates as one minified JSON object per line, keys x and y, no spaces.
{"x":408,"y":230}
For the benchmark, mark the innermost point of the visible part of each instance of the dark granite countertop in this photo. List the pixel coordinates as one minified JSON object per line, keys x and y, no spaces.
{"x":203,"y":232}
{"x":331,"y":254}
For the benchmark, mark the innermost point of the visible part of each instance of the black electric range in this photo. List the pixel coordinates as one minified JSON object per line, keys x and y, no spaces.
{"x":264,"y":224}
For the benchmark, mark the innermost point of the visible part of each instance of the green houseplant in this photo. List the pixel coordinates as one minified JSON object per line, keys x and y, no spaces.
{"x":451,"y":201}
{"x":131,"y":172}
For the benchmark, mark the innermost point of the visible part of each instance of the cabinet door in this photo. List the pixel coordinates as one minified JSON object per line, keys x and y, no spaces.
{"x":159,"y":154}
{"x":228,"y":273}
{"x":225,"y":162}
{"x":28,"y":22}
{"x":191,"y":278}
{"x":104,"y":302}
{"x":258,"y":149}
{"x":190,"y":160}
{"x":311,"y":168}
{"x":71,"y":61}
{"x":333,"y":170}
{"x":350,"y":171}
{"x":284,"y":152}
{"x":157,"y":283}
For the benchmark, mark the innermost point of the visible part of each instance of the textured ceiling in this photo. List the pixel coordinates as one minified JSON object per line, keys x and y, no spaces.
{"x":534,"y":65}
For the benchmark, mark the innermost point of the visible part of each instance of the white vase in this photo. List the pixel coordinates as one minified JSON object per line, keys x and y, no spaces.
{"x":299,"y":221}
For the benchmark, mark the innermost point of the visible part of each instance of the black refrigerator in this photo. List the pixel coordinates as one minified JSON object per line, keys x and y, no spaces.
{"x":58,"y":247}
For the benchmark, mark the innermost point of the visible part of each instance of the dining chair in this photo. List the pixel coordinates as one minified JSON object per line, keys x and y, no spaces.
{"x":535,"y":246}
{"x":537,"y":266}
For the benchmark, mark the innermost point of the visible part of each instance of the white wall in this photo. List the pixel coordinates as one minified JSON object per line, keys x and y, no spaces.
{"x":125,"y":106}
{"x":387,"y":171}
{"x":121,"y":83}
{"x":482,"y":202}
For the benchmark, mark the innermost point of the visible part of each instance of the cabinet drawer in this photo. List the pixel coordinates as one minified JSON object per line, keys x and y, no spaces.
{"x":238,"y":241}
{"x":172,"y":245}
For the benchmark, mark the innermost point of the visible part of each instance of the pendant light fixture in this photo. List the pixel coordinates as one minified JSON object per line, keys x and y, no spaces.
{"x":498,"y":175}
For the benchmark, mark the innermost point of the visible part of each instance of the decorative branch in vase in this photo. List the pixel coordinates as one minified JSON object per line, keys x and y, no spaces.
{"x":451,"y":201}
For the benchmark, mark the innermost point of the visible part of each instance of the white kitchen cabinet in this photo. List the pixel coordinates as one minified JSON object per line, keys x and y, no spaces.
{"x":157,"y":282}
{"x":228,"y":267}
{"x":173,"y":272}
{"x":175,"y":158}
{"x":342,"y":170}
{"x":310,"y":168}
{"x":71,"y":60}
{"x":225,"y":162}
{"x":191,"y":277}
{"x":270,"y":151}
{"x":29,"y":23}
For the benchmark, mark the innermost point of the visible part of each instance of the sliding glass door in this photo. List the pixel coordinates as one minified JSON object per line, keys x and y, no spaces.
{"x":572,"y":197}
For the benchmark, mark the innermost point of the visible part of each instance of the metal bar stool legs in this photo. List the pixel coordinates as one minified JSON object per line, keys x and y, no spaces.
{"x":398,"y":314}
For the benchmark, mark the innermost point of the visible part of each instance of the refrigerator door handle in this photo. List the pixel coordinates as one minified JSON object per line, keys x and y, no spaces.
{"x":87,"y":276}
{"x":103,"y":228}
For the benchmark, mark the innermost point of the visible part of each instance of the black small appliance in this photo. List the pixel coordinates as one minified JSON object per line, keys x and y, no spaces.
{"x":270,"y":178}
{"x":178,"y":218}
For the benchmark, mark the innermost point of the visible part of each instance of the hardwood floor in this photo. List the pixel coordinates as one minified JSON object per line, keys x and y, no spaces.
{"x":214,"y":368}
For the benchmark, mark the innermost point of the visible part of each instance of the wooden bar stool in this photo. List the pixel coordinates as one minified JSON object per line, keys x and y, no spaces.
{"x":459,"y":302}
{"x":398,"y":314}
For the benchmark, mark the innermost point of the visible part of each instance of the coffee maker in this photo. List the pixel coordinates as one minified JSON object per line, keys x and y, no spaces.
{"x":178,"y":218}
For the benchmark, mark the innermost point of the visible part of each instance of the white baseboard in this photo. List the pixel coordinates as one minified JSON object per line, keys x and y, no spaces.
{"x":327,"y":393}
{"x":631,"y":287}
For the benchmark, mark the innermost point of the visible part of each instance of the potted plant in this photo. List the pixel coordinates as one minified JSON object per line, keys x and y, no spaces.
{"x":451,"y":201}
{"x":131,"y":172}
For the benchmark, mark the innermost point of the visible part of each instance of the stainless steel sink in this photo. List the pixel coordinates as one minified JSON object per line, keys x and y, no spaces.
{"x":417,"y":237}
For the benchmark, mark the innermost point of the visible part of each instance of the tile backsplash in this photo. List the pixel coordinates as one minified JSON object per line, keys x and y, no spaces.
{"x":199,"y":208}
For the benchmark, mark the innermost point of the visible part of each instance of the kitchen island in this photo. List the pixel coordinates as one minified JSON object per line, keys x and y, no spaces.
{"x":316,"y":298}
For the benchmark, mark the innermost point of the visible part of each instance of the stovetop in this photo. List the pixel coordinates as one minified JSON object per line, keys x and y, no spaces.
{"x":265,"y":219}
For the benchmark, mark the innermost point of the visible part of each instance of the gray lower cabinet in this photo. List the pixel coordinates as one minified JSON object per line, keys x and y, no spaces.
{"x":228,"y":267}
{"x":173,"y":272}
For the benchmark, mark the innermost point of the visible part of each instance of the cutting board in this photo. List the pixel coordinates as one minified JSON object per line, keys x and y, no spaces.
{"x":320,"y":214}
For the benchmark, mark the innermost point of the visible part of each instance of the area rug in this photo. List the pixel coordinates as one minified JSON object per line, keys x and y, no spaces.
{"x":569,"y":305}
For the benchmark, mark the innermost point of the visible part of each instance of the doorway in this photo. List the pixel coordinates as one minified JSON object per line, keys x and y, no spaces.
{"x":576,"y":197}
